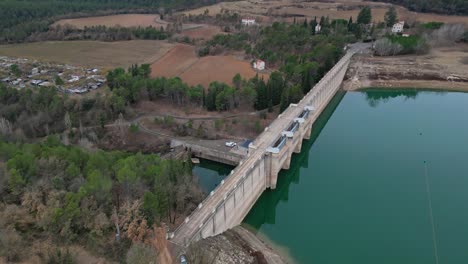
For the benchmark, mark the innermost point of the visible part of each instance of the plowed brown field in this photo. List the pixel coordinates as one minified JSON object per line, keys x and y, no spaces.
{"x":125,"y":20}
{"x":183,"y":61}
{"x":218,"y":68}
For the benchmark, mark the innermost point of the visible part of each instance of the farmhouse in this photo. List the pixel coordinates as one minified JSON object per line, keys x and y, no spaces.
{"x":398,"y":27}
{"x":248,"y":21}
{"x":259,"y":65}
{"x":318,"y":28}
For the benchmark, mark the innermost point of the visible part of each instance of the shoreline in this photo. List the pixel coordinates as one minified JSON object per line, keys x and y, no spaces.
{"x":441,"y":69}
{"x":442,"y":86}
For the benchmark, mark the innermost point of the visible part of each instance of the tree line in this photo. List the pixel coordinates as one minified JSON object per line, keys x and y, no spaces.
{"x":101,"y":33}
{"x":449,"y":7}
{"x":21,"y":18}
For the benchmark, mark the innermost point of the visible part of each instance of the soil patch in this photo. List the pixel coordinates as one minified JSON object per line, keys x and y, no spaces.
{"x":125,"y":20}
{"x":174,"y":62}
{"x":182,"y":61}
{"x":218,"y":68}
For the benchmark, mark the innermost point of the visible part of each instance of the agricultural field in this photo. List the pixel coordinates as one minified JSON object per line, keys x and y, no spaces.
{"x":125,"y":20}
{"x":183,"y":61}
{"x":219,"y":68}
{"x":286,"y":9}
{"x":204,"y":32}
{"x":90,"y":53}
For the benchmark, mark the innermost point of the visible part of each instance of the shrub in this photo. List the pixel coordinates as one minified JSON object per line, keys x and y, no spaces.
{"x":218,"y":124}
{"x":141,"y":254}
{"x":60,"y":257}
{"x":448,"y":34}
{"x":433,"y":25}
{"x":11,"y":245}
{"x":385,"y":47}
{"x":134,"y":128}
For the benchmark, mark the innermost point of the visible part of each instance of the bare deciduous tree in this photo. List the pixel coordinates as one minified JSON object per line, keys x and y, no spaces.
{"x":447,"y":34}
{"x":385,"y":47}
{"x":5,"y":127}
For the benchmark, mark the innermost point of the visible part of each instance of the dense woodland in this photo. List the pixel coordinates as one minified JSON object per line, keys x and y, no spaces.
{"x":21,"y":18}
{"x":68,"y":195}
{"x":450,"y":7}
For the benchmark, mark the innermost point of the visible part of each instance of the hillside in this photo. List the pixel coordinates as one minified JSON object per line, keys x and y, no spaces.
{"x":449,"y":7}
{"x":19,"y":19}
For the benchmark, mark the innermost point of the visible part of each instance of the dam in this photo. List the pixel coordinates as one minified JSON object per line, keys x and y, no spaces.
{"x":231,"y":201}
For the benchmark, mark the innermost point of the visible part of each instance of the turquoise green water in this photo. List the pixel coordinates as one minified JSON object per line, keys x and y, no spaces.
{"x":210,"y":174}
{"x":357,"y":192}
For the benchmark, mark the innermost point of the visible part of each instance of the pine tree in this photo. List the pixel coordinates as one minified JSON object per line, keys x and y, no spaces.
{"x":391,"y":16}
{"x":350,"y":24}
{"x":365,"y":16}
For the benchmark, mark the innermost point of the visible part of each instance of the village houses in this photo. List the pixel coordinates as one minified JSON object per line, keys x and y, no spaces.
{"x":248,"y":21}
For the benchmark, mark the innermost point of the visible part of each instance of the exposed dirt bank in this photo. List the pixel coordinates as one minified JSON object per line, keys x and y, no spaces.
{"x":233,"y":246}
{"x":444,"y":68}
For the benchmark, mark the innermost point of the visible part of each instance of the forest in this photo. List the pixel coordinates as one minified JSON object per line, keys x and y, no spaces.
{"x":71,"y":195}
{"x":21,"y":18}
{"x":449,"y":7}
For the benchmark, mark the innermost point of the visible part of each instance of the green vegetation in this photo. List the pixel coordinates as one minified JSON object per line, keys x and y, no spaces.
{"x":365,"y":16}
{"x":41,"y":111}
{"x":101,"y":33}
{"x":391,"y":17}
{"x":15,"y":70}
{"x":21,"y":18}
{"x":410,"y":45}
{"x":135,"y":85}
{"x":237,"y":41}
{"x":449,"y":7}
{"x":71,"y":195}
{"x":59,"y":81}
{"x":432,"y":25}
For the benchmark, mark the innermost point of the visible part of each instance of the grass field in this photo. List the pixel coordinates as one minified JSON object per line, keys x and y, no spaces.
{"x":277,"y":9}
{"x":126,"y":20}
{"x":90,"y":53}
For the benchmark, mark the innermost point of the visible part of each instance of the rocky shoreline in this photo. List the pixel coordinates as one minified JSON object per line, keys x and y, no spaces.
{"x":442,"y":69}
{"x":235,"y":246}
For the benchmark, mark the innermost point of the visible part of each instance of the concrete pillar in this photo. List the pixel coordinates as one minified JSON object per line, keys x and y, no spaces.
{"x":298,"y":147}
{"x":287,"y":162}
{"x":308,"y":132}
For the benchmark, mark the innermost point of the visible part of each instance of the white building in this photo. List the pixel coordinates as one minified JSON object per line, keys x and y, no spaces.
{"x":248,"y":21}
{"x":398,"y":27}
{"x":259,"y":65}
{"x":318,"y":28}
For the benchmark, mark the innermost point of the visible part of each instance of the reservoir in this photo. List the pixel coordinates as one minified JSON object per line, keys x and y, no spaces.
{"x":384,"y":179}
